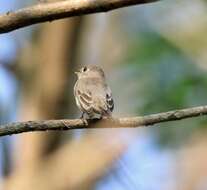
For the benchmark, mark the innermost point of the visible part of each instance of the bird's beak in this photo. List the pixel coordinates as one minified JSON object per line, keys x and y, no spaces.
{"x":77,"y":72}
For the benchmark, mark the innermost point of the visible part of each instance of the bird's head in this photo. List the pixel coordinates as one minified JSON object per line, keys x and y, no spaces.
{"x":90,"y":71}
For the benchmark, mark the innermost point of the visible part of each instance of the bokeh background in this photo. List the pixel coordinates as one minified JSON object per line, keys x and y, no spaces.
{"x":155,"y":59}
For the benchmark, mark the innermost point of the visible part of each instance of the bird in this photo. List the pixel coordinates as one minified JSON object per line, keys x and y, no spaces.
{"x":92,"y":94}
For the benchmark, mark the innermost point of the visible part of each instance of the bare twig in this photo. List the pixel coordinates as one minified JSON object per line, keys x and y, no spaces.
{"x":68,"y":124}
{"x":43,"y":12}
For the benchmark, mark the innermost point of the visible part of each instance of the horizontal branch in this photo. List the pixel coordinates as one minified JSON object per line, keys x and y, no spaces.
{"x":68,"y":124}
{"x":50,"y":11}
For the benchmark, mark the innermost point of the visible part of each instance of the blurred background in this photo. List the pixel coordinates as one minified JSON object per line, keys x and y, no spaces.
{"x":154,"y":57}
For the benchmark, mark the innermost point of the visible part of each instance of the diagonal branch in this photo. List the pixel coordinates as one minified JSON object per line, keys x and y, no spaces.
{"x":131,"y":122}
{"x":50,"y":11}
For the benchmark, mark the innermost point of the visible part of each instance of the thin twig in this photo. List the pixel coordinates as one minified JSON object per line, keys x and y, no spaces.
{"x":131,"y":122}
{"x":50,"y":11}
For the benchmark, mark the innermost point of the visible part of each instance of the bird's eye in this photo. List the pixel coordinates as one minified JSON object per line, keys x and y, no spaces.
{"x":84,"y":69}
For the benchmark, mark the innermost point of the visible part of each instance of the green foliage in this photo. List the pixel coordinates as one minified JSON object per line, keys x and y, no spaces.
{"x":165,"y":79}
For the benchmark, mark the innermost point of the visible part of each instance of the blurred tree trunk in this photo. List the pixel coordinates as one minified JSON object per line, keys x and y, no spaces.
{"x":46,"y":78}
{"x":45,"y":85}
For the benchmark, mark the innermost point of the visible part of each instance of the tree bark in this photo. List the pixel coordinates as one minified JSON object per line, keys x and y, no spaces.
{"x":43,"y":12}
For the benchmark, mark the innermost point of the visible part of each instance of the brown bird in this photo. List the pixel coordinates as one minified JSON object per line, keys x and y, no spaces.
{"x":92,"y":94}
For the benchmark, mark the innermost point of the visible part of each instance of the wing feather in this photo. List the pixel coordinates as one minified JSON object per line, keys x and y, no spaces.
{"x":94,"y":97}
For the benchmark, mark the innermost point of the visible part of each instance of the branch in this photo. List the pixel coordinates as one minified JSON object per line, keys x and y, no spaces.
{"x":131,"y":122}
{"x":50,"y":11}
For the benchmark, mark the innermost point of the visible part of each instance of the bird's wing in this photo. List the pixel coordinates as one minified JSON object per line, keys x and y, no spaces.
{"x":83,"y":96}
{"x":102,"y":99}
{"x":94,"y":96}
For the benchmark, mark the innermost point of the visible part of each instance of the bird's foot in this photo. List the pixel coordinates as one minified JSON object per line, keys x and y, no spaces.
{"x":85,"y":121}
{"x":82,"y":115}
